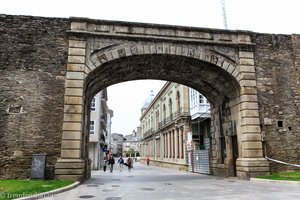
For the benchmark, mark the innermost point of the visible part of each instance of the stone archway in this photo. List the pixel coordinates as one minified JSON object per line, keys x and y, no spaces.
{"x":220,"y":64}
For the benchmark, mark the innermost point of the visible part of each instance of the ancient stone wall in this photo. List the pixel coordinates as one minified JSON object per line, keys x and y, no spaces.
{"x":33,"y":59}
{"x":277,"y":69}
{"x":33,"y":56}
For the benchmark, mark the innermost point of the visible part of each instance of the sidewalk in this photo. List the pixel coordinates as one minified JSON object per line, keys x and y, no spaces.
{"x":149,"y":182}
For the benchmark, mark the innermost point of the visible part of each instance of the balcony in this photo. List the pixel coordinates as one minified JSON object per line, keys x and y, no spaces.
{"x":175,"y":115}
{"x":148,"y":133}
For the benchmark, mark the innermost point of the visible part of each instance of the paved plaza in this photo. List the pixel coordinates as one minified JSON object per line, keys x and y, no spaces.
{"x":149,"y":182}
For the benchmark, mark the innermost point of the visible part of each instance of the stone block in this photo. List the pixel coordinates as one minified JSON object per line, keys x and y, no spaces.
{"x":69,"y":177}
{"x":230,"y":68}
{"x":246,"y":54}
{"x":87,"y":70}
{"x":236,"y":72}
{"x":18,"y":153}
{"x":76,"y":51}
{"x":78,"y":25}
{"x":73,"y":108}
{"x":249,"y":113}
{"x":95,"y":60}
{"x":72,"y":126}
{"x":69,"y":165}
{"x":70,"y":153}
{"x":172,"y":50}
{"x":246,"y":61}
{"x":76,"y":59}
{"x":76,"y":67}
{"x":249,"y":106}
{"x":252,"y":153}
{"x":251,"y":137}
{"x":244,"y":38}
{"x":247,"y":68}
{"x":71,"y":144}
{"x":250,"y":145}
{"x":253,"y":169}
{"x":74,"y":83}
{"x":70,"y":100}
{"x":69,"y":171}
{"x":251,"y":129}
{"x":76,"y":75}
{"x":248,"y":90}
{"x":71,"y":135}
{"x":72,"y":164}
{"x":70,"y":117}
{"x":247,"y":83}
{"x":248,"y":98}
{"x":77,"y":44}
{"x":250,"y":121}
{"x":74,"y":91}
{"x":248,"y":76}
{"x":115,"y":54}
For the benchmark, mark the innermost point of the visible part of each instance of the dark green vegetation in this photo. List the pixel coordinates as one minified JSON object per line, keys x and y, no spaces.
{"x":11,"y":189}
{"x":288,"y":176}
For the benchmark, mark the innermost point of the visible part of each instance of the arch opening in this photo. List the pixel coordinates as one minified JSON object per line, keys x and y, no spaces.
{"x":213,"y":82}
{"x":232,"y":97}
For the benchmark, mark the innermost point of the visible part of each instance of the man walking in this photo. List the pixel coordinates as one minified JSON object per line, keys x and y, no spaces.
{"x":111,"y":162}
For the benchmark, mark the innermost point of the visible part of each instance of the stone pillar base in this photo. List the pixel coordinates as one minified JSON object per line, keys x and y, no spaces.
{"x":252,"y":167}
{"x":73,"y":169}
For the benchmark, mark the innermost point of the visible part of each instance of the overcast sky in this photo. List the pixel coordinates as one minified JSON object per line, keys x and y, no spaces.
{"x":126,"y":99}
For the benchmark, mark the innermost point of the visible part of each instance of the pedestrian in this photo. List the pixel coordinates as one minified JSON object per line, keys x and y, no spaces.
{"x":148,"y":160}
{"x":121,"y":162}
{"x":129,"y":163}
{"x":105,"y":163}
{"x":111,"y":162}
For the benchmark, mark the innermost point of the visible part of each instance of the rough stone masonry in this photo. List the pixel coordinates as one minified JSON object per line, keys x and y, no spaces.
{"x":33,"y":59}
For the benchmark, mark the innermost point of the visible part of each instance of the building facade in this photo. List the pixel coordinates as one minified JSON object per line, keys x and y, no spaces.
{"x":98,"y":129}
{"x":165,"y":125}
{"x":116,"y":148}
{"x":132,"y":143}
{"x":200,"y":118}
{"x":199,"y":138}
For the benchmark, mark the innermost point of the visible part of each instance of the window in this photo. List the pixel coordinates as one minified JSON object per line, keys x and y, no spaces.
{"x":164,"y":112}
{"x":170,"y":107}
{"x":178,"y":100}
{"x":201,"y":98}
{"x":92,"y":127}
{"x":93,"y":104}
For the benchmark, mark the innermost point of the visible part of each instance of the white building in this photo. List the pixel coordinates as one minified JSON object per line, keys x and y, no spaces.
{"x":98,"y":129}
{"x":200,"y":118}
{"x":133,"y":141}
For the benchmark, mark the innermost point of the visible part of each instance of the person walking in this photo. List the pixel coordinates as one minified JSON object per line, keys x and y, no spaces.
{"x":148,"y":160}
{"x":121,"y":162}
{"x":105,"y":163}
{"x":129,"y":163}
{"x":111,"y":162}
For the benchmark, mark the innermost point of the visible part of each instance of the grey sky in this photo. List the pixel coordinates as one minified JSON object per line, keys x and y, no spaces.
{"x":265,"y":16}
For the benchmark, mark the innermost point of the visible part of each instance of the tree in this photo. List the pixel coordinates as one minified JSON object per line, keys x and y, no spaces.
{"x":130,"y":152}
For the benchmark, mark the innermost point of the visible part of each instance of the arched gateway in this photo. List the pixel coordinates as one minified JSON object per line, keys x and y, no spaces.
{"x":218,"y":63}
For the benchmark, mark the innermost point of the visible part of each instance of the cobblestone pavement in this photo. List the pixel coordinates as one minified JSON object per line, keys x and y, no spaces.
{"x":148,"y":182}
